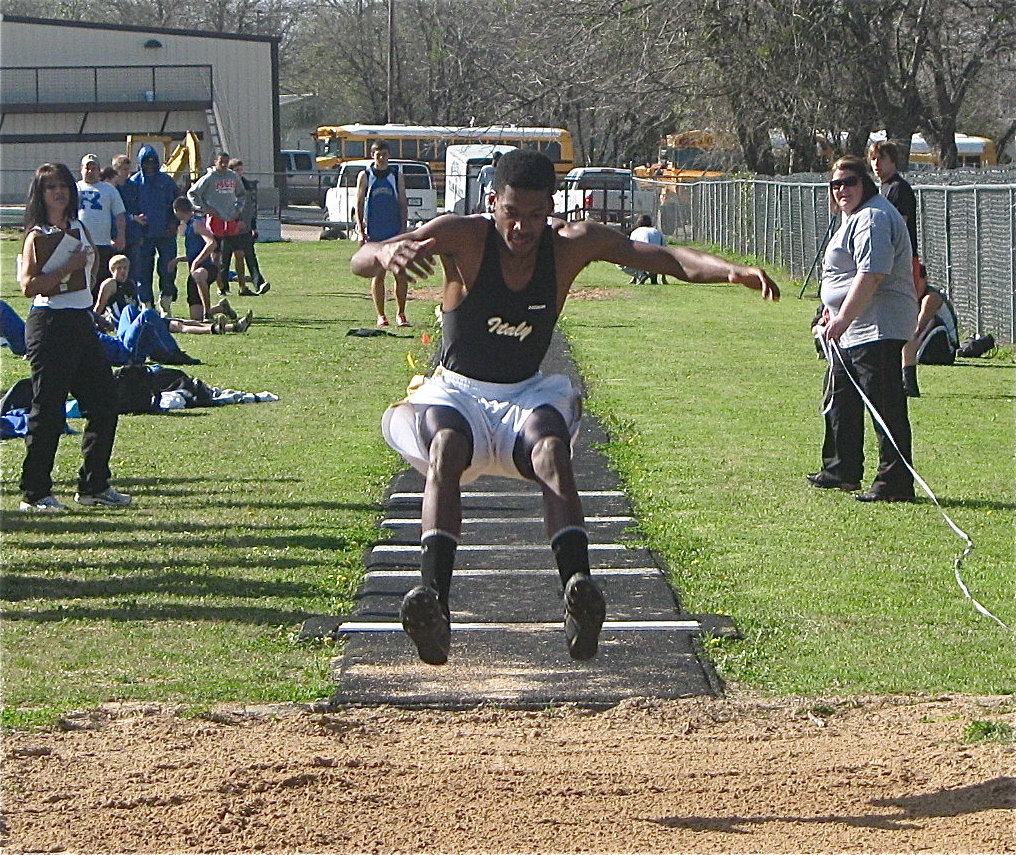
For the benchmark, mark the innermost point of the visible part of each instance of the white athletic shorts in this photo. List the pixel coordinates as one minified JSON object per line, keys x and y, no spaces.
{"x":495,"y":413}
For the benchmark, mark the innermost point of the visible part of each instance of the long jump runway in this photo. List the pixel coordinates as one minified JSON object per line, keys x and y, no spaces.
{"x":508,"y":643}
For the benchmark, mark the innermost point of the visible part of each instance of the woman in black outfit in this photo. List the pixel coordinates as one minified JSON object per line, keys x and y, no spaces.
{"x":56,"y":270}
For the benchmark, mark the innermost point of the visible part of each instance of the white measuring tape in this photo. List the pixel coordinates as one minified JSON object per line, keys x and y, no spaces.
{"x":829,"y":348}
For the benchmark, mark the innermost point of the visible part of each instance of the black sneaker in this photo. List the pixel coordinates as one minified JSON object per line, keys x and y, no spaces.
{"x":178,"y":357}
{"x":428,"y":623}
{"x":584,"y":613}
{"x":824,"y":481}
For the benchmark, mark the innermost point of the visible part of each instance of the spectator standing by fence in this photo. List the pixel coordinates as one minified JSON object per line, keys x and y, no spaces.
{"x":885,"y":161}
{"x":870,"y":311}
{"x":242,"y":246}
{"x":219,"y":194}
{"x":381,"y":212}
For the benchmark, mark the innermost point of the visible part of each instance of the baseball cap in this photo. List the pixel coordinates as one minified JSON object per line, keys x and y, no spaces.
{"x":90,"y":158}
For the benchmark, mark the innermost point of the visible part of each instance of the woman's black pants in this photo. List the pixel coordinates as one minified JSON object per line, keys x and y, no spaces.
{"x":876,"y":368}
{"x":66,"y":357}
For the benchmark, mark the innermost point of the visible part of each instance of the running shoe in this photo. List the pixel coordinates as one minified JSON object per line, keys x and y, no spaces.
{"x":401,"y":320}
{"x":428,"y":623}
{"x":109,"y":498}
{"x":226,"y":309}
{"x":584,"y":613}
{"x":382,"y":321}
{"x":244,"y":323}
{"x":45,"y":505}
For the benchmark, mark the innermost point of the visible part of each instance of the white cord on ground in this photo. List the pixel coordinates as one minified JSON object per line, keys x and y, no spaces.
{"x":829,"y":348}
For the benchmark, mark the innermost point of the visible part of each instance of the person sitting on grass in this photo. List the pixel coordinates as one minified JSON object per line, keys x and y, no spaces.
{"x":937,"y":338}
{"x":131,"y":334}
{"x":199,"y":246}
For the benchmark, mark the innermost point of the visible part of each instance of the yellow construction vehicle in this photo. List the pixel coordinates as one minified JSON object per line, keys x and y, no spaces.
{"x":182,"y":162}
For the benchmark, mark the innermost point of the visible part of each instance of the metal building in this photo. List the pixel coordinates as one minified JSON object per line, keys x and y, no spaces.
{"x":68,"y":88}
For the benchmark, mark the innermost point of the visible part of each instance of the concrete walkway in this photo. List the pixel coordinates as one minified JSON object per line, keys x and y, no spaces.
{"x":508,"y":643}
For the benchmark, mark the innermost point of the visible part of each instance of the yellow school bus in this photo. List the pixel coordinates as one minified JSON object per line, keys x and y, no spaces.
{"x":970,"y":151}
{"x":336,"y":144}
{"x":685,"y":157}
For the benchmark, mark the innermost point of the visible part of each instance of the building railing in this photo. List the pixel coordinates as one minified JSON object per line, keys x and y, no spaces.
{"x":32,"y":89}
{"x":966,"y":233}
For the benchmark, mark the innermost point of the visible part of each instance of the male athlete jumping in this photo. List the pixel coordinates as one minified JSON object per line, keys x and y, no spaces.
{"x":487,"y":409}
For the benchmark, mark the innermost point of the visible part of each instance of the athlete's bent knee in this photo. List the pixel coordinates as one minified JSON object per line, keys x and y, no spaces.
{"x":446,"y":436}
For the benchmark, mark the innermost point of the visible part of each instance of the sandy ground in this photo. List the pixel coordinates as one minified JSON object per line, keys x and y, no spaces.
{"x":738,"y":774}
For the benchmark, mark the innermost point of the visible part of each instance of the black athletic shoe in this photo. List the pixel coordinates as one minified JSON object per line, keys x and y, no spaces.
{"x":584,"y":612}
{"x":427,"y":623}
{"x":178,"y":358}
{"x":883,"y":497}
{"x":825,"y":481}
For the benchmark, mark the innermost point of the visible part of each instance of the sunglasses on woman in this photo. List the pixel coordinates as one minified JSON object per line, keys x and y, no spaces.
{"x":849,"y":181}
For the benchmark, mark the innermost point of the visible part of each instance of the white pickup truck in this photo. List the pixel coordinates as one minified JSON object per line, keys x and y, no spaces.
{"x":340,"y":200}
{"x":604,"y":194}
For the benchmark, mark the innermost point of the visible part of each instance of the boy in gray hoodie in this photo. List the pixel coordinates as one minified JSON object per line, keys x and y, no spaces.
{"x":219,"y":193}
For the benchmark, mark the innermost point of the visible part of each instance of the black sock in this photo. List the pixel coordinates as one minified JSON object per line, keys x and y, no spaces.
{"x":571,"y":552}
{"x":437,"y":560}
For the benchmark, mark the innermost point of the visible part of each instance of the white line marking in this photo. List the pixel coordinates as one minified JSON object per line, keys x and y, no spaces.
{"x":495,"y":547}
{"x":394,"y":522}
{"x":492,"y":494}
{"x":543,"y":571}
{"x":608,"y":626}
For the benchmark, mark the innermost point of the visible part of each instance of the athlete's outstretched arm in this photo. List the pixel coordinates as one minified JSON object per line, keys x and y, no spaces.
{"x":412,"y":254}
{"x":691,"y":265}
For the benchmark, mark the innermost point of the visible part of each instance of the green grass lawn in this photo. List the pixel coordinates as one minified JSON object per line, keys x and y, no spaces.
{"x":711,"y":399}
{"x":249,"y":518}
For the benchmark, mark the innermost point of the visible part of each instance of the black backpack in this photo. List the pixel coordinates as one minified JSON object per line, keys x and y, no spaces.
{"x":977,"y":345}
{"x":134,"y":391}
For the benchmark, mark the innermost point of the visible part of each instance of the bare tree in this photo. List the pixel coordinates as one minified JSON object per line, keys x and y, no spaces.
{"x":969,"y":36}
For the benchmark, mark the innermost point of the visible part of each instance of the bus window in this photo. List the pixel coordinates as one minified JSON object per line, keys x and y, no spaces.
{"x":552,"y":150}
{"x":354,"y":149}
{"x":409,"y":149}
{"x":433,"y":150}
{"x":393,"y":148}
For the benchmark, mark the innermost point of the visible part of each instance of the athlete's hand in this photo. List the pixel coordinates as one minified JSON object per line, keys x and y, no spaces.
{"x":756,"y":279}
{"x":412,"y":258}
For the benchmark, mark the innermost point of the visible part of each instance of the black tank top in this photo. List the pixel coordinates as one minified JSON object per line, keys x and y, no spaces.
{"x":498,"y":335}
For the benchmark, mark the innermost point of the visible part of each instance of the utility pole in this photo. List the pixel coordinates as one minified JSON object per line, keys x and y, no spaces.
{"x":391,"y":60}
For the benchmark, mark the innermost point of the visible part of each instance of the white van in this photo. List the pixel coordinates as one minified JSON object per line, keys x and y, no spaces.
{"x":462,"y":165}
{"x":340,"y":200}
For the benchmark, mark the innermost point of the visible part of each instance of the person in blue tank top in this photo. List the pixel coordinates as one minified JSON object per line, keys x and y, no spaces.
{"x":199,"y":246}
{"x":487,"y":408}
{"x":381,"y":213}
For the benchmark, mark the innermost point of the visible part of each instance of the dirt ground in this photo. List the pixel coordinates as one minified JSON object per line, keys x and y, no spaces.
{"x":737,"y":774}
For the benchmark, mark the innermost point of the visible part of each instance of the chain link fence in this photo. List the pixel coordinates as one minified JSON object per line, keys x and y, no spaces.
{"x":966,"y":233}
